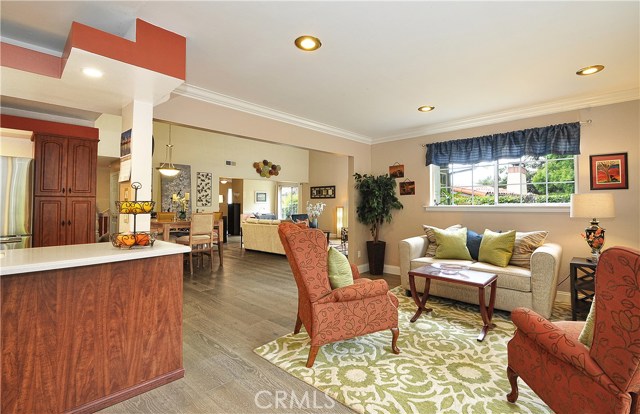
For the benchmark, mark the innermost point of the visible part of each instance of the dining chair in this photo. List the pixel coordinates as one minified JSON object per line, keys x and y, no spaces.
{"x":201,"y":238}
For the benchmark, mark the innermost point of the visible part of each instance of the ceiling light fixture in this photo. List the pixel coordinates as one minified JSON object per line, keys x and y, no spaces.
{"x":223,"y":181}
{"x":308,"y":43}
{"x":92,"y":72}
{"x":164,"y":169}
{"x":590,"y":70}
{"x":426,"y":108}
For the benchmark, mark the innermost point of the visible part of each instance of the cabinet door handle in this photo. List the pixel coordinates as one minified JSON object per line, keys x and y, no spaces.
{"x":63,"y":190}
{"x":62,"y":223}
{"x":69,"y":190}
{"x":69,"y":222}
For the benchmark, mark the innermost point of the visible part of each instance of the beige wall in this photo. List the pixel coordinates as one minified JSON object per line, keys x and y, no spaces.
{"x":249,"y":197}
{"x":103,"y":182}
{"x":615,"y":128}
{"x":328,"y":169}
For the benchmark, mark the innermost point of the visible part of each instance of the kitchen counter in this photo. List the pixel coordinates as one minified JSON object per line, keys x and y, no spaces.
{"x":61,"y":257}
{"x":87,"y":326}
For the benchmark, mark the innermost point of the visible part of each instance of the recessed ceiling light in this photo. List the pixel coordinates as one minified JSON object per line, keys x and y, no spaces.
{"x":426,"y":108}
{"x":590,"y":70}
{"x":92,"y":72}
{"x":308,"y":43}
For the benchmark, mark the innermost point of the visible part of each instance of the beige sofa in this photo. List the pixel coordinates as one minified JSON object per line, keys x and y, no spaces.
{"x":517,"y":286}
{"x":261,"y":235}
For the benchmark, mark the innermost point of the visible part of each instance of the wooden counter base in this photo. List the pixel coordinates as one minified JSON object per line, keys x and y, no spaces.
{"x":81,"y":339}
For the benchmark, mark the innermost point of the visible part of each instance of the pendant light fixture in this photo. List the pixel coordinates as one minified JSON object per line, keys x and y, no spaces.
{"x":168,"y":170}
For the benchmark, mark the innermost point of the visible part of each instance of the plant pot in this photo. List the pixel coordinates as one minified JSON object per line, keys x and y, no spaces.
{"x":375,"y":253}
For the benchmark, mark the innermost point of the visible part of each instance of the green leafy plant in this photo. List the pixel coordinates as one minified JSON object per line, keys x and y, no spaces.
{"x":377,"y":201}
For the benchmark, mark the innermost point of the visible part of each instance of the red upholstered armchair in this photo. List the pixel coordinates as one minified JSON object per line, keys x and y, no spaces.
{"x":570,"y":377}
{"x":333,"y":315}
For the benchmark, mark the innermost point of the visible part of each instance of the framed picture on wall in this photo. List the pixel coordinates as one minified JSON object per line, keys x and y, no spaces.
{"x":328,"y":191}
{"x":608,"y":171}
{"x":407,"y":187}
{"x":261,"y":197}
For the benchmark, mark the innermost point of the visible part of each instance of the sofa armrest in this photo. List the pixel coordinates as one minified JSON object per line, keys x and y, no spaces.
{"x":410,"y":249}
{"x":545,"y":265}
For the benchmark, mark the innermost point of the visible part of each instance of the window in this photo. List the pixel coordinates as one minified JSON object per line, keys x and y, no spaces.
{"x":527,"y":180}
{"x":287,"y":201}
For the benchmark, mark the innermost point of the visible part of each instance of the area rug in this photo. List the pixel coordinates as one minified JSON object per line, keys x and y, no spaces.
{"x":442,"y":368}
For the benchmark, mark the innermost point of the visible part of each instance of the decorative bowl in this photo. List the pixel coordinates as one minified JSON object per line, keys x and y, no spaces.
{"x":451,"y":268}
{"x":135,"y":207}
{"x":129,"y":240}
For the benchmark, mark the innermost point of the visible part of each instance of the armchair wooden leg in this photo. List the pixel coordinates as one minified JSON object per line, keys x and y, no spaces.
{"x":191,"y":262}
{"x":512,"y":397}
{"x":296,"y":330}
{"x":312,"y":355}
{"x":394,"y":340}
{"x":220,"y":251}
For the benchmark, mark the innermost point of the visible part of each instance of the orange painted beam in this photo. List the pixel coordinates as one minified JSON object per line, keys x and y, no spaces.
{"x":155,"y":48}
{"x":28,"y":60}
{"x":39,"y":126}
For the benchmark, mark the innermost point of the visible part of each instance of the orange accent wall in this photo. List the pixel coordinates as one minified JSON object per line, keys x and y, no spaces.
{"x":155,"y":48}
{"x":28,"y":60}
{"x":48,"y":127}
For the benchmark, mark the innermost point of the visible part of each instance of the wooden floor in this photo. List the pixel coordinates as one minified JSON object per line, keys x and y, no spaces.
{"x":228,"y":312}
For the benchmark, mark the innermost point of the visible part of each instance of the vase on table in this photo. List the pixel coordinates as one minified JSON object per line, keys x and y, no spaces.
{"x":182,"y":215}
{"x":313,"y":223}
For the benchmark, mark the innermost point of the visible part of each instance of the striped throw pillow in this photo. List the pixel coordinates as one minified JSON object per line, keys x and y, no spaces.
{"x":524,"y":246}
{"x":431,"y":236}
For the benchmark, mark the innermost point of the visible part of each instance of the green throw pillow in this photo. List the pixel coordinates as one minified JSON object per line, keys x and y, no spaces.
{"x":339,"y":269}
{"x":452,"y":244}
{"x":586,"y":336}
{"x":496,"y":248}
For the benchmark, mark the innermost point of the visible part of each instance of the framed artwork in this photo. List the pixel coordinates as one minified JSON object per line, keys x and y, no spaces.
{"x":396,"y":170}
{"x":203,"y":189}
{"x":408,"y":187}
{"x":328,"y":191}
{"x":608,"y":171}
{"x":261,"y":197}
{"x":125,"y":143}
{"x":180,"y":184}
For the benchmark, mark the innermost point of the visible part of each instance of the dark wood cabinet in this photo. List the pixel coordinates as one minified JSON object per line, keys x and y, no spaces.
{"x":65,"y":189}
{"x":583,"y":276}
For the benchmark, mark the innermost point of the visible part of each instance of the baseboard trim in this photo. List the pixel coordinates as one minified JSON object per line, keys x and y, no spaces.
{"x":392,"y":270}
{"x":563,"y":297}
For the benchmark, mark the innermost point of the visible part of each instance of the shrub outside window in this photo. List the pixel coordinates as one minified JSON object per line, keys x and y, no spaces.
{"x":528,"y":180}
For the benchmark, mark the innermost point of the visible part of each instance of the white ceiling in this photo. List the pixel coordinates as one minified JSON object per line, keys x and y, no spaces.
{"x":475,"y":61}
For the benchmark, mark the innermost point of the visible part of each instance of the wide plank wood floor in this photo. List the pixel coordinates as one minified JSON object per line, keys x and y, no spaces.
{"x":228,"y":312}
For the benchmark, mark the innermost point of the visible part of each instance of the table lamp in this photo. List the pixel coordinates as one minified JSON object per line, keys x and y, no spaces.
{"x":592,"y":205}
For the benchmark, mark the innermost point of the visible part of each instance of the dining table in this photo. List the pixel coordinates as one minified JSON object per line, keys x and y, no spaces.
{"x":165,"y":227}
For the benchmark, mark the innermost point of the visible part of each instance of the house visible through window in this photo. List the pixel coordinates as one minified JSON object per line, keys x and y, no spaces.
{"x":526,"y":180}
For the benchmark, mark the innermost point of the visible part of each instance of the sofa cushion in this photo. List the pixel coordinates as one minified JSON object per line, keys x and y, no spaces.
{"x":524,"y":246}
{"x":451,"y":244}
{"x":431,"y":237}
{"x":473,"y":243}
{"x":497,"y":248}
{"x":339,"y":269}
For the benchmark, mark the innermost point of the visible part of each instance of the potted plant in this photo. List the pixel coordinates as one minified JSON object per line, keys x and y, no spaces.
{"x":377,"y":201}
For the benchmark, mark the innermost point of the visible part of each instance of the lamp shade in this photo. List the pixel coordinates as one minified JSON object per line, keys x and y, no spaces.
{"x":592,"y":205}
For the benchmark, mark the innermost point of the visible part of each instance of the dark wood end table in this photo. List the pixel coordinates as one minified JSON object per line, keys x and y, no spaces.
{"x":465,"y":277}
{"x":583,"y":276}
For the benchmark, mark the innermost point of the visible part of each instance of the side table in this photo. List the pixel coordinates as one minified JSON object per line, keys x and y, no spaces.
{"x":582,"y":274}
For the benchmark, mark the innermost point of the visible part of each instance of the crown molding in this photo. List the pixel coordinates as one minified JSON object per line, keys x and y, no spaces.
{"x":194,"y":92}
{"x":563,"y":105}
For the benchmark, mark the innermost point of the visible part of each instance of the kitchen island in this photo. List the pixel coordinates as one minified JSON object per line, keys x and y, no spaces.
{"x":87,"y":326}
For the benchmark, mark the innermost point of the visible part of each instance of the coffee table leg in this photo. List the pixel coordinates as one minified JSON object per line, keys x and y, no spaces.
{"x":425,"y":296}
{"x":487,"y":312}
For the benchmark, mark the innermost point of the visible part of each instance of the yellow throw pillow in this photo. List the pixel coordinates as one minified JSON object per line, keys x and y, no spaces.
{"x":452,"y":244}
{"x":496,"y":248}
{"x":586,"y":336}
{"x":339,"y":269}
{"x":431,"y":236}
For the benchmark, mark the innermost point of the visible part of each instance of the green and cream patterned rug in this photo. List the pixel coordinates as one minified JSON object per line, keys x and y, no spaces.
{"x":441,"y":367}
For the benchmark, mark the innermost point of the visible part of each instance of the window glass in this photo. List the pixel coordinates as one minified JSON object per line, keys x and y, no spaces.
{"x":287,"y":201}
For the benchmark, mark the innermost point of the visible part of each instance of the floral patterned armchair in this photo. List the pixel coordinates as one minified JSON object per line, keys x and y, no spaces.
{"x":567,"y":375}
{"x":333,"y":315}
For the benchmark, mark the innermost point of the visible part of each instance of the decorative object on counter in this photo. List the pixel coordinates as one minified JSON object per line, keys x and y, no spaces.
{"x":169,"y":186}
{"x":267,"y":168}
{"x":314,"y":211}
{"x":204,"y":189}
{"x":593,"y":205}
{"x":608,"y":171}
{"x":167,"y":169}
{"x":408,"y":187}
{"x":127,"y":240}
{"x":396,"y":170}
{"x":377,"y":201}
{"x":182,"y":204}
{"x":327,"y":191}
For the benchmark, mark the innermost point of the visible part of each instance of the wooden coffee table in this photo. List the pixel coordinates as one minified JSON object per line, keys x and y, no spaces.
{"x":465,"y":277}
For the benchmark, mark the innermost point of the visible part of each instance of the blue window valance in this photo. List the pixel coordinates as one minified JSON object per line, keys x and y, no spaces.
{"x":561,"y":139}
